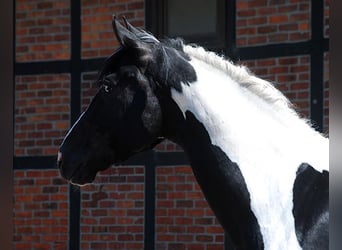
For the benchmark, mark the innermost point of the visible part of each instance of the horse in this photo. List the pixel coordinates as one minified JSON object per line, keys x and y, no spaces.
{"x":262,"y":168}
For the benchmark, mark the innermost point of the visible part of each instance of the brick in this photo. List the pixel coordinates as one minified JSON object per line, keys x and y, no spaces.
{"x":164,"y":220}
{"x":214,"y":230}
{"x":184,"y":203}
{"x":256,"y":21}
{"x":45,"y":5}
{"x":99,"y":212}
{"x":267,"y":29}
{"x":125,"y":237}
{"x":287,"y":8}
{"x":165,"y":237}
{"x":246,"y":13}
{"x":299,"y":17}
{"x":135,"y":179}
{"x":135,"y":196}
{"x":279,"y":19}
{"x":36,"y":174}
{"x":277,"y":38}
{"x":214,"y":247}
{"x":136,"y":5}
{"x":204,"y":221}
{"x":176,"y":179}
{"x":44,"y":214}
{"x":264,"y":11}
{"x":195,"y":212}
{"x":298,"y":86}
{"x":304,"y":26}
{"x":176,"y":195}
{"x":183,"y":170}
{"x":125,"y":187}
{"x":257,"y":3}
{"x":204,"y":238}
{"x":24,"y":198}
{"x":51,"y":189}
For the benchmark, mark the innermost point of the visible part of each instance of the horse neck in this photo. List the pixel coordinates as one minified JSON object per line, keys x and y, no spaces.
{"x":246,"y":126}
{"x":243,"y":147}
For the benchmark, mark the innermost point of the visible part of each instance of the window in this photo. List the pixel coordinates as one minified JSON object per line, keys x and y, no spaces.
{"x":197,"y":21}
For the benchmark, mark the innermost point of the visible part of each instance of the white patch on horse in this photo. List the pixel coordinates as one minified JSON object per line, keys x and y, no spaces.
{"x":259,"y":132}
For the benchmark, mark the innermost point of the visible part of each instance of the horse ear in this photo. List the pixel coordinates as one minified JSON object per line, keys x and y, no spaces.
{"x":131,"y":28}
{"x":131,"y":40}
{"x":121,"y":33}
{"x":126,"y":35}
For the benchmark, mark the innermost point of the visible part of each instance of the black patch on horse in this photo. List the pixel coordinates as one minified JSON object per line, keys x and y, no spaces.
{"x":170,"y":65}
{"x":222,"y":184}
{"x":311,"y":207}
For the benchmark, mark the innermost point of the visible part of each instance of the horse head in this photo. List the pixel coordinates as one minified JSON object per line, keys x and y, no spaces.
{"x":125,"y":116}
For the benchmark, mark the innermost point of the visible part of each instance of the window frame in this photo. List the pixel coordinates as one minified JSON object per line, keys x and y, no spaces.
{"x":156,"y":22}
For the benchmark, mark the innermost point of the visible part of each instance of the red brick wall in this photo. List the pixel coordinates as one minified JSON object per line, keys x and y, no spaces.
{"x":40,"y":210}
{"x":97,"y":32}
{"x":41,"y":113}
{"x":183,"y":218}
{"x":42,"y":30}
{"x":112,"y":210}
{"x":291,"y":75}
{"x":88,"y":88}
{"x":263,"y":22}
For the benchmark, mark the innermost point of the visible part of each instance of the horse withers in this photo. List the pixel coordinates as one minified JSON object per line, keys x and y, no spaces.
{"x":262,"y":169}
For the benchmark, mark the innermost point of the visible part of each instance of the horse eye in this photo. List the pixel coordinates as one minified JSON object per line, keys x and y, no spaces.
{"x":107,"y":85}
{"x":106,"y":88}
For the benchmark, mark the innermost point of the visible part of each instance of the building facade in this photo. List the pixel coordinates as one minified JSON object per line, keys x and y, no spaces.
{"x":152,"y":201}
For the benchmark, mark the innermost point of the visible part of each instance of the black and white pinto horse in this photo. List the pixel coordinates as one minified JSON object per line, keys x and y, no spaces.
{"x":262,"y":169}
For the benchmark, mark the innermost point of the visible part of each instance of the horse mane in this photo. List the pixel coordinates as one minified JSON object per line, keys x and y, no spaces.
{"x":242,"y":75}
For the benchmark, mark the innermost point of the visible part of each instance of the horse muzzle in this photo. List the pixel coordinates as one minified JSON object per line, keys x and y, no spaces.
{"x":76,"y":174}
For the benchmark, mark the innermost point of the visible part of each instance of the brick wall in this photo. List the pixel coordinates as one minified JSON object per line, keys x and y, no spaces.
{"x":41,"y":113}
{"x":291,"y":75}
{"x":97,"y":32}
{"x":262,"y":22}
{"x":42,"y":30}
{"x":40,"y":210}
{"x":112,"y":210}
{"x":112,"y":213}
{"x":183,"y":218}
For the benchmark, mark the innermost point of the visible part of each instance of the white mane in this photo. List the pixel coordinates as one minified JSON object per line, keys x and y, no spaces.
{"x":244,"y":77}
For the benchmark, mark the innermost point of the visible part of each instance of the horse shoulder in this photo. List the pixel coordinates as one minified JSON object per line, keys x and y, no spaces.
{"x":310,"y":207}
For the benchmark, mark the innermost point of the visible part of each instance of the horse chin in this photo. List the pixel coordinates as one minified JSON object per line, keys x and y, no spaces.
{"x":82,"y":181}
{"x":80,"y":185}
{"x":81,"y":177}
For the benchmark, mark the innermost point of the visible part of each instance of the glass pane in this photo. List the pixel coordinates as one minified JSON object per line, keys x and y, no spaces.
{"x":191,"y":17}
